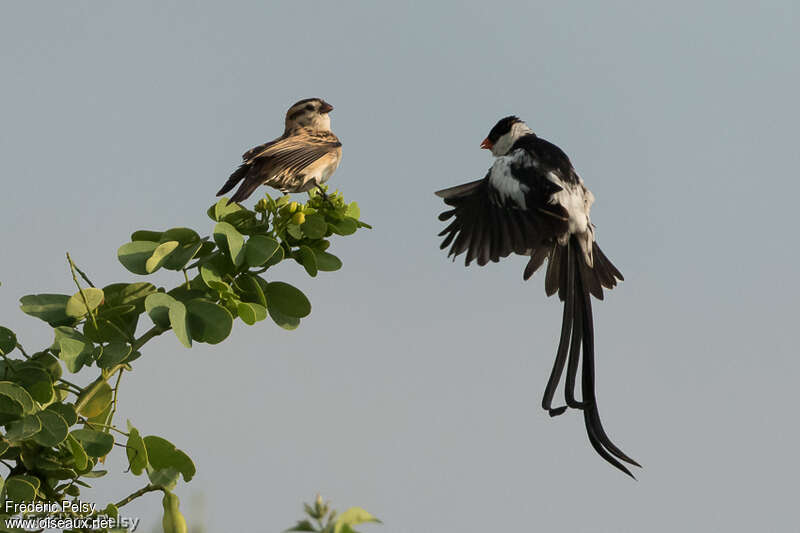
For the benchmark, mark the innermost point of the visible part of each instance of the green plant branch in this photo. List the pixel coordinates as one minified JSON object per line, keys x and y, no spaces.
{"x":133,"y":496}
{"x":73,"y":268}
{"x":22,"y":350}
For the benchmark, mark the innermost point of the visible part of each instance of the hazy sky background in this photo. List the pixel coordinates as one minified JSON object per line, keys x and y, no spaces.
{"x":413,"y":389}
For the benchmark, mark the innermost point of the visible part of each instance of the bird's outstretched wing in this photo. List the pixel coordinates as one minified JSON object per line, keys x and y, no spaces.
{"x":281,"y":163}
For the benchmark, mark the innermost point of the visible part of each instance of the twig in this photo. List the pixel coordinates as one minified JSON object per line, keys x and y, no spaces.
{"x":140,"y":492}
{"x":73,"y":268}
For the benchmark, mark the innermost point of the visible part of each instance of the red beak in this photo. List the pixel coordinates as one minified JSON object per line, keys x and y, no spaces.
{"x":486,"y":144}
{"x":325,"y":107}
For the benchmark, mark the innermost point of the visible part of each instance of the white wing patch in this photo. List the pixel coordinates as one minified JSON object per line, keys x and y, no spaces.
{"x":577,"y":200}
{"x":504,"y":182}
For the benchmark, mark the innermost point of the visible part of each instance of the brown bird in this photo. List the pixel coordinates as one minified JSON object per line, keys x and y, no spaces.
{"x":303,"y":158}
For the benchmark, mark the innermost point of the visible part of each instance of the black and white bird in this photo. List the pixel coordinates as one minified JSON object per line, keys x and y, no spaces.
{"x":533,"y":203}
{"x":301,"y":159}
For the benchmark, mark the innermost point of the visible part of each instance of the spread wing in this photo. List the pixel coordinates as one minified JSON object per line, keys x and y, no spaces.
{"x":504,"y":212}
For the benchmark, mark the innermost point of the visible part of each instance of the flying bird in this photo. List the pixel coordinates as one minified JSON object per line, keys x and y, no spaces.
{"x":533,"y":203}
{"x":301,"y":159}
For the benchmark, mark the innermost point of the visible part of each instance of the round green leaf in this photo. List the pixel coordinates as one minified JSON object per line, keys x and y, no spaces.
{"x":305,"y":256}
{"x":19,"y":489}
{"x":10,"y":409}
{"x":162,"y":454}
{"x":79,"y":456}
{"x":160,"y":255}
{"x":327,"y":262}
{"x":50,"y":363}
{"x":259,"y":249}
{"x":251,"y":313}
{"x":211,"y":273}
{"x":8,"y":341}
{"x":54,"y":429}
{"x":96,"y":443}
{"x":98,"y":399}
{"x":52,"y":308}
{"x":134,"y":255}
{"x":229,"y":239}
{"x":352,"y":517}
{"x":249,"y":289}
{"x":284,"y":321}
{"x":19,"y":395}
{"x":113,"y":353}
{"x":208,"y":322}
{"x":23,"y":429}
{"x":67,"y":412}
{"x":118,"y":294}
{"x":74,"y":349}
{"x":180,"y":324}
{"x":157,"y":306}
{"x":146,"y":235}
{"x":77,"y":308}
{"x":315,"y":226}
{"x":37,"y":381}
{"x":346,"y":226}
{"x":136,"y":450}
{"x":287,"y":300}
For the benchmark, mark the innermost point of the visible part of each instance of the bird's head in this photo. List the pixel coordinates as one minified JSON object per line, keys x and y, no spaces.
{"x":309,"y":113}
{"x":504,"y":134}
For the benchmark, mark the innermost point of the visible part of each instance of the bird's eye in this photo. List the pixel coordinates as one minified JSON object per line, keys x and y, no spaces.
{"x":309,"y":107}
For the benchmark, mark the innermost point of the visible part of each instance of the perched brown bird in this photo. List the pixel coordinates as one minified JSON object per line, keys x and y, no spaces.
{"x":302,"y":158}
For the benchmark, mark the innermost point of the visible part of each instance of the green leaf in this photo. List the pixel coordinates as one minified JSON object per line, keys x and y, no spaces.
{"x":113,"y":354}
{"x":284,"y":321}
{"x":19,"y":489}
{"x":10,"y":409}
{"x":353,"y":211}
{"x":67,"y":412}
{"x":211,"y":273}
{"x":52,"y":308}
{"x":79,"y":456}
{"x":287,"y":300}
{"x":166,"y":477}
{"x":190,"y":244}
{"x":179,"y":321}
{"x":251,"y":313}
{"x":8,"y":341}
{"x":136,"y":450}
{"x":77,"y":308}
{"x":302,"y":525}
{"x":208,"y":322}
{"x":54,"y":429}
{"x":97,"y":399}
{"x":230,"y":240}
{"x":259,"y":249}
{"x":315,"y":226}
{"x":96,"y":443}
{"x":305,"y":256}
{"x":160,"y":256}
{"x":295,"y":231}
{"x":327,"y":262}
{"x":74,"y":349}
{"x":249,"y":289}
{"x":275,"y":259}
{"x":37,"y":381}
{"x":134,"y":255}
{"x":223,"y":208}
{"x":19,"y":395}
{"x":352,"y":517}
{"x":163,"y":454}
{"x":23,"y":429}
{"x":346,"y":226}
{"x":146,"y":235}
{"x":118,"y":294}
{"x":157,"y":306}
{"x":49,"y":362}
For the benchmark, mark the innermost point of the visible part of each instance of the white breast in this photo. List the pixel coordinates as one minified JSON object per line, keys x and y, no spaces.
{"x":501,"y":179}
{"x":576,"y":200}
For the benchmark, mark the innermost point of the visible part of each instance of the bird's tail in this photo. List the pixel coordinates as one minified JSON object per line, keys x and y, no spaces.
{"x":245,"y":189}
{"x":569,"y":274}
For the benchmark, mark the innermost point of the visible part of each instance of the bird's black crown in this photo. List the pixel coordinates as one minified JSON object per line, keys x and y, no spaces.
{"x":502,"y":127}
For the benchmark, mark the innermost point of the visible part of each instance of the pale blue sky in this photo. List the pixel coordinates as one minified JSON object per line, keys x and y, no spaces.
{"x":414,"y":387}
